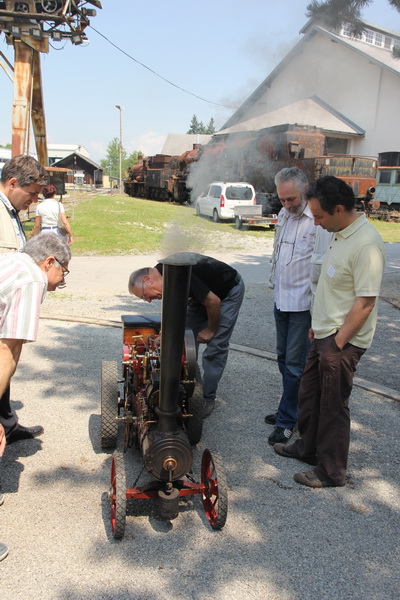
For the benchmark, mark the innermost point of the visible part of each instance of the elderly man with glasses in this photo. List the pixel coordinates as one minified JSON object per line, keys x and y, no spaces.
{"x":290,"y":277}
{"x":24,"y":279}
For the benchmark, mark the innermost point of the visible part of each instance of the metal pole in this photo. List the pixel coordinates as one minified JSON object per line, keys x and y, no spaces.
{"x":120,"y":108}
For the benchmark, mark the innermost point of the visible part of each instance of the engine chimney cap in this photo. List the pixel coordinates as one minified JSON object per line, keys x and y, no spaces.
{"x":180,"y":259}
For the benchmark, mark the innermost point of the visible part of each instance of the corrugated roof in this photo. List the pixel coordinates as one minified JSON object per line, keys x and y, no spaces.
{"x":310,"y":111}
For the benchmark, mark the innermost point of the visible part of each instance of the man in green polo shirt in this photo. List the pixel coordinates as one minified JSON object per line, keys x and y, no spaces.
{"x":343,"y":325}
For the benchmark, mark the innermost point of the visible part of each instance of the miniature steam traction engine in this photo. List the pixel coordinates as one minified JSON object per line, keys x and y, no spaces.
{"x":159,"y":411}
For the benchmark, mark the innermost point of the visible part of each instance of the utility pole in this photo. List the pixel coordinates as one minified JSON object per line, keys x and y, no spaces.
{"x":120,"y":108}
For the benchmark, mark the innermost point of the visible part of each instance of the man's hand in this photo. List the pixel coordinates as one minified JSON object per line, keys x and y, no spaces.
{"x":2,"y":440}
{"x":204,"y":336}
{"x":311,"y":335}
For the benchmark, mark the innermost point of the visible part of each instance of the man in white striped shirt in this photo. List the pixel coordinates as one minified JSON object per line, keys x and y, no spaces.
{"x":290,"y":277}
{"x":24,"y":279}
{"x":22,"y":180}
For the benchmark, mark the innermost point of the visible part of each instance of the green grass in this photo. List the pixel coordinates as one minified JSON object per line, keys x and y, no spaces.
{"x":118,"y":224}
{"x":114,"y":225}
{"x":390,"y":232}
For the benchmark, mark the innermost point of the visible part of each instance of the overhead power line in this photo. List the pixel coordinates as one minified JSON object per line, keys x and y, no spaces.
{"x":158,"y":75}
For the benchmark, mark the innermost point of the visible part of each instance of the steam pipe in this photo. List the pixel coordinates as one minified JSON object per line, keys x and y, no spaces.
{"x":176,"y":281}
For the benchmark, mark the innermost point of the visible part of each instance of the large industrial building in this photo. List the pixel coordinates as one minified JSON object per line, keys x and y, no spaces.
{"x":347,"y":86}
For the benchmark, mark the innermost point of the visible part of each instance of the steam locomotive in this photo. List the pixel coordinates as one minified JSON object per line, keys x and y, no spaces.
{"x":254,"y":157}
{"x":161,"y":177}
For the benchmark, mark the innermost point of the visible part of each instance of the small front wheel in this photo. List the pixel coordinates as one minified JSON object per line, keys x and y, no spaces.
{"x":215,"y":495}
{"x":118,"y":495}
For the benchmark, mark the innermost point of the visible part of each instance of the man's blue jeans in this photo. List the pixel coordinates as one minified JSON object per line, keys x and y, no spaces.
{"x":292,"y":346}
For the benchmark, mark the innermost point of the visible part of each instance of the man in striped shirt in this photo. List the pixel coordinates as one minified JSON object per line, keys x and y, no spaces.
{"x":290,"y":277}
{"x":22,"y":179}
{"x":24,"y":279}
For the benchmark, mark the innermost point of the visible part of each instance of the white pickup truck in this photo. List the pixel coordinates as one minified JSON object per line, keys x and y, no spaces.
{"x":252,"y":215}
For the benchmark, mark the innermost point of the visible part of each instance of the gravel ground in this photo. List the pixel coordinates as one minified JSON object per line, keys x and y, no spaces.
{"x":281,"y":541}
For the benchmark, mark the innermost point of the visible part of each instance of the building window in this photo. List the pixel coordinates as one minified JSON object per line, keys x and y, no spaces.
{"x":347,"y":30}
{"x":369,"y":36}
{"x":388,"y":42}
{"x":378,"y":39}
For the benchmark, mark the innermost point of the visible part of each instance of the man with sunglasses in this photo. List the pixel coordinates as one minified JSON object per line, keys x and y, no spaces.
{"x":215,"y":297}
{"x":24,"y":279}
{"x":22,"y":180}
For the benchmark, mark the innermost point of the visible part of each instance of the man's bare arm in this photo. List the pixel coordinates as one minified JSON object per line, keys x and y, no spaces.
{"x":212,"y":304}
{"x":355,"y":319}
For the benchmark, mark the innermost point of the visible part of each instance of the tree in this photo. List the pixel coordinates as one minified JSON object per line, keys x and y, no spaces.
{"x":194,"y":125}
{"x":334,"y":13}
{"x":111,"y":163}
{"x":197,"y":126}
{"x":132,"y":159}
{"x":211,"y":127}
{"x":8,"y":146}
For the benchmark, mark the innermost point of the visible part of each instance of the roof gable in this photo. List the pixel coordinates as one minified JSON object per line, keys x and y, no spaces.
{"x":381,"y":57}
{"x":309,"y":111}
{"x":67,"y":160}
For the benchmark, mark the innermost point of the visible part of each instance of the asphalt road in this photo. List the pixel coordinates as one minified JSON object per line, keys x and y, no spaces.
{"x":281,"y":541}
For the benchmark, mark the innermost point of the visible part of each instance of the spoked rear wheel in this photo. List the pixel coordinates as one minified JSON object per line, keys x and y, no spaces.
{"x":215,"y":496}
{"x":118,"y":495}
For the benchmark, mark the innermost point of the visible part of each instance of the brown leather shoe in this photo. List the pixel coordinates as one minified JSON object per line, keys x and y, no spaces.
{"x":288,"y":452}
{"x":310,"y":479}
{"x":285,"y":450}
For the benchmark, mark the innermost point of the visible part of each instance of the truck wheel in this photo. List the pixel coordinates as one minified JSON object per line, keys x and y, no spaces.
{"x":238,"y":223}
{"x":216,"y":218}
{"x":197,"y":210}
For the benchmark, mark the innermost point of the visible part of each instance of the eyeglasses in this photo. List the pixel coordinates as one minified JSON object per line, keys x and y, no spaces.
{"x":64,"y":269}
{"x":142,"y":297}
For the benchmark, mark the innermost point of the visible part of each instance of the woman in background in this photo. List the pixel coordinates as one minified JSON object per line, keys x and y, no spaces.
{"x":47,"y":214}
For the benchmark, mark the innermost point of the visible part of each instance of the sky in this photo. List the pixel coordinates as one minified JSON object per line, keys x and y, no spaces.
{"x":220,"y":50}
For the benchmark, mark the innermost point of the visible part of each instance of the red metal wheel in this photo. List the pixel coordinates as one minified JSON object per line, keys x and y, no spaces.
{"x":118,"y":495}
{"x":215,"y":495}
